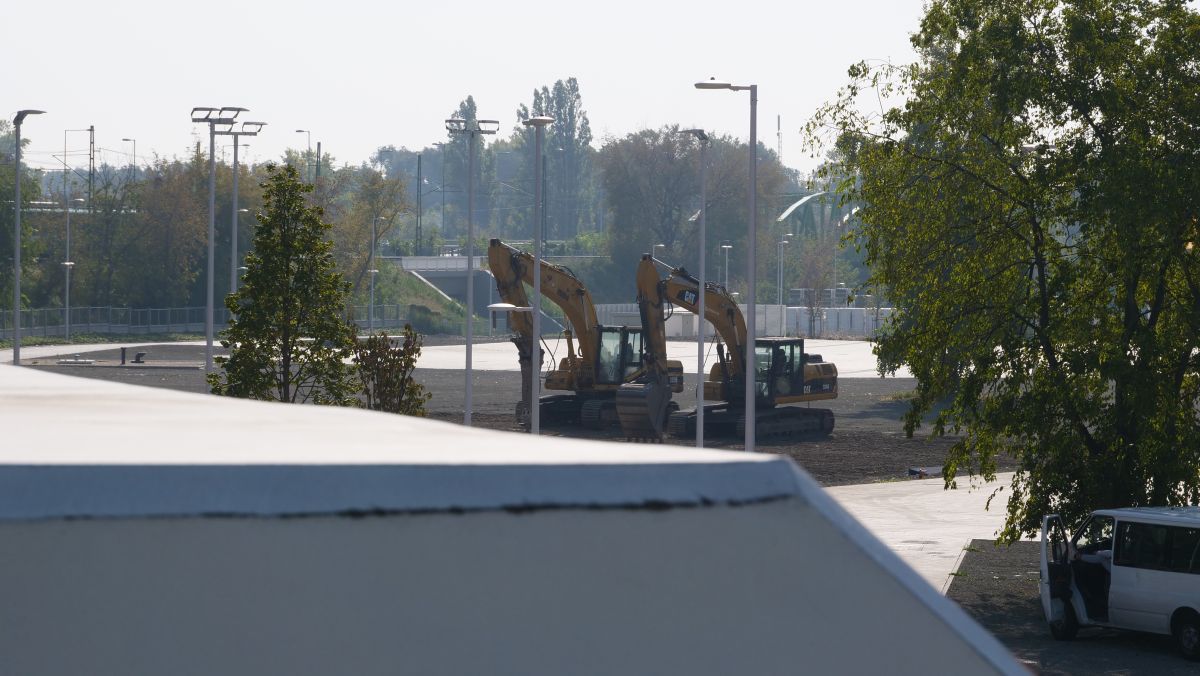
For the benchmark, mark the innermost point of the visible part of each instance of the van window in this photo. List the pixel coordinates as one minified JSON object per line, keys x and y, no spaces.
{"x":1096,"y":535}
{"x":1184,"y":554}
{"x":1143,"y":545}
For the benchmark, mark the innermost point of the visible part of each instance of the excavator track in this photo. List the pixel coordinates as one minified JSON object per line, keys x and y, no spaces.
{"x":789,"y":421}
{"x":598,"y":414}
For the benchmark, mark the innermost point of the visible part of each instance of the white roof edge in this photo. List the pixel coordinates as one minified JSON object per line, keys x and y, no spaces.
{"x":38,"y":492}
{"x":955,"y":618}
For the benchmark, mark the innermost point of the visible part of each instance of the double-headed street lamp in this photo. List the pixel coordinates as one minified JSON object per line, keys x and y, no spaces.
{"x":751,"y":271}
{"x":21,"y":114}
{"x":539,"y":124}
{"x":247,"y":129}
{"x":702,"y":137}
{"x":213,"y":117}
{"x":472,"y":129}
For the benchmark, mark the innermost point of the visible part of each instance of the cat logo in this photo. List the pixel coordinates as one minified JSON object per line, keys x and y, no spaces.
{"x":687,"y":297}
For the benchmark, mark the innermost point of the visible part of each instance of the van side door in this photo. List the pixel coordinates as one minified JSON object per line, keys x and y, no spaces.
{"x":1055,"y":569}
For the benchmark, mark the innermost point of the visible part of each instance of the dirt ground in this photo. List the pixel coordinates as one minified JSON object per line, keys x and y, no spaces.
{"x":868,"y":443}
{"x":997,"y":586}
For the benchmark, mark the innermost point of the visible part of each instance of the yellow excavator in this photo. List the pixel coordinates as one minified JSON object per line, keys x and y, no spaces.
{"x":607,"y":355}
{"x":783,"y":372}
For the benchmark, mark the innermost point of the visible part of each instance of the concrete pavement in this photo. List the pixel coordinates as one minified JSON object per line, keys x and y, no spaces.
{"x":925,"y":524}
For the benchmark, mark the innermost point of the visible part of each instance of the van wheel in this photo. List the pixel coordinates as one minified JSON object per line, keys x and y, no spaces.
{"x":1066,"y":628}
{"x":1187,"y":635}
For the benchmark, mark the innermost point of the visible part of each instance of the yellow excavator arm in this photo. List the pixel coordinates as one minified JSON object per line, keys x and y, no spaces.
{"x":513,"y":268}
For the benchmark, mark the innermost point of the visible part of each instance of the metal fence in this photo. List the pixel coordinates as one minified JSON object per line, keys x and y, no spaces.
{"x":139,"y":321}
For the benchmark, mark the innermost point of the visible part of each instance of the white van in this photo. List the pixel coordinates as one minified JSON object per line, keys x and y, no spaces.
{"x":1136,"y":568}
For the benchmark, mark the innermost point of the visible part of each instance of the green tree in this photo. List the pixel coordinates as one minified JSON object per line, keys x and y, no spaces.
{"x":288,"y":341}
{"x":385,"y":366}
{"x":30,"y":192}
{"x":571,"y":195}
{"x":1032,"y":208}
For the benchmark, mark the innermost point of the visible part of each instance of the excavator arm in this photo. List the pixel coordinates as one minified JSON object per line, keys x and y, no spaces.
{"x":513,"y":268}
{"x":720,"y":309}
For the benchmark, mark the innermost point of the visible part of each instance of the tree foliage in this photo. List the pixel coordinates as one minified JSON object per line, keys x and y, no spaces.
{"x":651,"y":179}
{"x":1032,"y":207}
{"x":385,"y":366}
{"x":288,"y":341}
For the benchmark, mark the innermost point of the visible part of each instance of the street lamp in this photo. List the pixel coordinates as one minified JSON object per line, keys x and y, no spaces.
{"x":442,"y":188}
{"x":225,"y":116}
{"x":702,"y":137}
{"x":67,"y":263}
{"x":248,"y":129}
{"x":372,"y":271}
{"x":535,"y":355}
{"x":472,"y":129}
{"x":134,"y":142}
{"x":726,"y":247}
{"x":779,"y":293}
{"x":17,"y":235}
{"x":751,"y":271}
{"x":308,"y":156}
{"x":841,"y":224}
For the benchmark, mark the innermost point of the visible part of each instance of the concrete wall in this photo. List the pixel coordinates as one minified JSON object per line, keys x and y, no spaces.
{"x":773,"y":587}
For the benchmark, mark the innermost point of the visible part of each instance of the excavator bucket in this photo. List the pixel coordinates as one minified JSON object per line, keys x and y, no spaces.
{"x":642,"y":410}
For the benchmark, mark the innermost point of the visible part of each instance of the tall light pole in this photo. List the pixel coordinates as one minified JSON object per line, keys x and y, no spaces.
{"x":751,"y":261}
{"x":307,"y":156}
{"x":371,"y":270}
{"x":539,"y":124}
{"x":442,"y":188}
{"x":472,"y":129}
{"x":779,"y":293}
{"x":702,"y":137}
{"x":225,"y":116}
{"x":17,"y":235}
{"x":134,"y":156}
{"x":726,"y":247}
{"x":67,"y":262}
{"x":247,"y":129}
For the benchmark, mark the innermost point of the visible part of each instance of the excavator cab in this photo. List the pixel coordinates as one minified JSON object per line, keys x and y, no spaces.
{"x":620,"y":354}
{"x":779,"y":368}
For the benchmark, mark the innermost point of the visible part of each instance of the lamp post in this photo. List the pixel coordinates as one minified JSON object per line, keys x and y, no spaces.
{"x":17,"y":234}
{"x":442,"y":188}
{"x":472,"y":129}
{"x":726,"y":247}
{"x":539,"y":124}
{"x":248,"y":129}
{"x":308,"y":155}
{"x":702,"y":137}
{"x":134,"y":142}
{"x":225,"y":116}
{"x":372,"y":271}
{"x":751,"y":271}
{"x":779,"y":293}
{"x":67,"y":262}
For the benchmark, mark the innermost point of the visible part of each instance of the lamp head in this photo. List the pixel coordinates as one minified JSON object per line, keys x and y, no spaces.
{"x":539,"y":121}
{"x":698,"y":133}
{"x":713,"y":83}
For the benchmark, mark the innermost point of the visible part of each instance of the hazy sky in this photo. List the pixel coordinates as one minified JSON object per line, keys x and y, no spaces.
{"x":361,"y":74}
